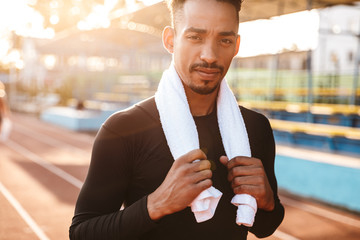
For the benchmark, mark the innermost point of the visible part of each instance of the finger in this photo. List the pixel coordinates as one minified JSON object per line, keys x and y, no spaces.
{"x":191,"y":156}
{"x":240,"y":171}
{"x":202,"y":165}
{"x":202,"y":185}
{"x":252,"y":190}
{"x":243,"y":161}
{"x":224,"y":160}
{"x":247,"y":180}
{"x":201,"y":176}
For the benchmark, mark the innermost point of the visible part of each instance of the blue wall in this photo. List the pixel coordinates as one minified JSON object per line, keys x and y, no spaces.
{"x":329,"y":183}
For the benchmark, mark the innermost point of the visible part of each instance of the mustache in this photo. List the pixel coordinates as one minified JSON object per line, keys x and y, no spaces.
{"x":206,"y":65}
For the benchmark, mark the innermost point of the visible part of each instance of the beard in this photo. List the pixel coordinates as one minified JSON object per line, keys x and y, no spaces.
{"x":205,"y":90}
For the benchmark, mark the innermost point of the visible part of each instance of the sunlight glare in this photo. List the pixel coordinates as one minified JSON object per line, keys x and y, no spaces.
{"x":99,"y":17}
{"x":54,"y":19}
{"x":49,"y":61}
{"x":4,"y":46}
{"x":297,"y":31}
{"x":150,"y":2}
{"x":110,"y":4}
{"x":17,"y":16}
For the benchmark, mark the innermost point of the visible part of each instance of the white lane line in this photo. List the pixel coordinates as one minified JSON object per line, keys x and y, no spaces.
{"x":52,"y":168}
{"x":297,"y":204}
{"x":321,"y":212}
{"x":49,"y":140}
{"x":22,"y":212}
{"x":77,"y":183}
{"x":53,"y":129}
{"x":284,"y":236}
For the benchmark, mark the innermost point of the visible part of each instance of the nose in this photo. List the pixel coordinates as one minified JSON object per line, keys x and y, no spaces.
{"x":209,"y":52}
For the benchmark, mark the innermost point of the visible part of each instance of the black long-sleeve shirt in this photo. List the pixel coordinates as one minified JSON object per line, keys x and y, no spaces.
{"x":131,"y":158}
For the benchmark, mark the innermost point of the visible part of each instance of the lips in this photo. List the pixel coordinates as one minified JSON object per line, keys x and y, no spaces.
{"x":208,"y":73}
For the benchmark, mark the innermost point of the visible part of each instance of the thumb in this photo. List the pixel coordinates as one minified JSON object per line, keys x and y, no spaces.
{"x":224,"y":160}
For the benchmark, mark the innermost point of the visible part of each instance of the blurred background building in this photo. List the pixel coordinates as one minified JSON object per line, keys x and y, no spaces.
{"x":101,"y":43}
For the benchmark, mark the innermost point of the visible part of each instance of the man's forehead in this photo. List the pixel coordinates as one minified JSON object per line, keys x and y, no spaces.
{"x":207,"y":15}
{"x":217,"y":8}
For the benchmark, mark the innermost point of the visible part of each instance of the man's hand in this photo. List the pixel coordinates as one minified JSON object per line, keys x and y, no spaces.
{"x":247,"y":175}
{"x":185,"y":180}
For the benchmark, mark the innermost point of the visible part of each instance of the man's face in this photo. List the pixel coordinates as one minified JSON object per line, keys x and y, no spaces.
{"x":205,"y":43}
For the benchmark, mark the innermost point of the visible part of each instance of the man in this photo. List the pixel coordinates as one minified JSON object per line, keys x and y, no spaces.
{"x":132,"y":161}
{"x":5,"y":122}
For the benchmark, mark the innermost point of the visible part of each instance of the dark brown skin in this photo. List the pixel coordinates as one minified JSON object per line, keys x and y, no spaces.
{"x":247,"y":175}
{"x":184,"y":182}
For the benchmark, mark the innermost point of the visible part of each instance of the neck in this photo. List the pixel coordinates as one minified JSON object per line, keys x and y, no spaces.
{"x":200,"y":105}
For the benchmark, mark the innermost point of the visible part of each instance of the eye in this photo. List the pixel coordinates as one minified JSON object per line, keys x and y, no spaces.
{"x":194,"y":37}
{"x":226,"y":41}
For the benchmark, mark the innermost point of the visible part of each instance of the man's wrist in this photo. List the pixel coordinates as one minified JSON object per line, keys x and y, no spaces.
{"x":270,"y":206}
{"x":154,"y":208}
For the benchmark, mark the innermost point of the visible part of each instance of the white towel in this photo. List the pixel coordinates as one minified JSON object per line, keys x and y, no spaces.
{"x":181,"y":135}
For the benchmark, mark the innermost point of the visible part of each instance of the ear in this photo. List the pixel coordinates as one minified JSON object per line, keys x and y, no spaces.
{"x":237,"y":45}
{"x":168,"y":39}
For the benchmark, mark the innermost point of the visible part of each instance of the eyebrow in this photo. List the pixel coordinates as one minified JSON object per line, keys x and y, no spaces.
{"x":196,"y":30}
{"x":202,"y":31}
{"x":230,"y":33}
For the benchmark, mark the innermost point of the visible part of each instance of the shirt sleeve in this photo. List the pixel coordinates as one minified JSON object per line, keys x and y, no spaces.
{"x":97,"y":211}
{"x":266,"y":222}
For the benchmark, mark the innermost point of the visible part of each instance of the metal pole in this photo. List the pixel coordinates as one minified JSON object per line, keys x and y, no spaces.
{"x":275,"y":67}
{"x":276,"y":57}
{"x":309,"y":75}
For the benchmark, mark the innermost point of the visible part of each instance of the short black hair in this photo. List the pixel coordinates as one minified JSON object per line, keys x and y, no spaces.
{"x":175,"y":5}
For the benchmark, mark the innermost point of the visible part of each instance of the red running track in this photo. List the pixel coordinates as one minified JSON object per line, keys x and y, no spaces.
{"x":43,"y":166}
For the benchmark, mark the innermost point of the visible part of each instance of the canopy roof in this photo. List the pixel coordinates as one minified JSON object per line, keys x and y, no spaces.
{"x":158,"y":15}
{"x":263,"y":9}
{"x":141,"y":30}
{"x":109,"y":42}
